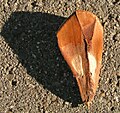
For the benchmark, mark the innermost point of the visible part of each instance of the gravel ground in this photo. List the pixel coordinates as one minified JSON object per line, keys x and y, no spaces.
{"x":34,"y":78}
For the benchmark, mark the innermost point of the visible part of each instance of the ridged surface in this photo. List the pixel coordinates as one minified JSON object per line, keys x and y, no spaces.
{"x":80,"y":40}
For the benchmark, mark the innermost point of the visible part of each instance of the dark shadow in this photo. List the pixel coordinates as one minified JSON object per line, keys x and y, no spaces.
{"x":32,"y":36}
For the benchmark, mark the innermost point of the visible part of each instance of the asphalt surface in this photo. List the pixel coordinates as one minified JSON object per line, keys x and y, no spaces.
{"x":34,"y":78}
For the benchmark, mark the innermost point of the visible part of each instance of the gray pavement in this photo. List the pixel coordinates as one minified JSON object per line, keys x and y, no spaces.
{"x":34,"y":78}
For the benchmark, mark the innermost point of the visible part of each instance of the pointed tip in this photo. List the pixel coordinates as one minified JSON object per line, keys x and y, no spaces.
{"x":88,"y":104}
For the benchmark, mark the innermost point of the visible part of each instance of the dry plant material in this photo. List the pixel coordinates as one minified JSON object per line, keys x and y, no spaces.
{"x":80,"y":40}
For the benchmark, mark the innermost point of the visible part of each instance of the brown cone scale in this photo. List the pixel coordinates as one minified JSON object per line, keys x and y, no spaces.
{"x":80,"y":40}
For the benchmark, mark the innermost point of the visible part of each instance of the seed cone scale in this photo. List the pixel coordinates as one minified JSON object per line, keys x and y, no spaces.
{"x":80,"y":40}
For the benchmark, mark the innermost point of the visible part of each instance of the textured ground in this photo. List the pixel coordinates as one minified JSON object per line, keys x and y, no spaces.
{"x":34,"y":78}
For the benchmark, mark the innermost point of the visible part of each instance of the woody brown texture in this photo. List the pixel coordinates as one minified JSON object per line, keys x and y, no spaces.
{"x":81,"y":36}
